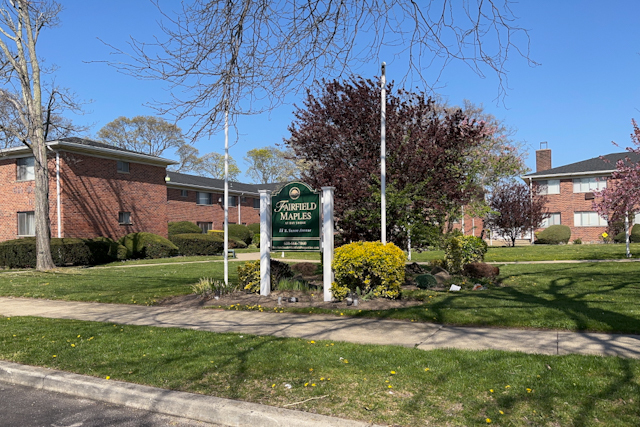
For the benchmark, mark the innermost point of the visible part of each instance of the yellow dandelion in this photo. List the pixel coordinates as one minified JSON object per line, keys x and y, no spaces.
{"x":507,"y":386}
{"x":306,"y":384}
{"x":107,"y":377}
{"x":273,"y":385}
{"x":393,"y":372}
{"x":528,"y":390}
{"x":310,"y":369}
{"x":73,"y":345}
{"x":312,"y":342}
{"x":390,"y":386}
{"x":501,"y":413}
{"x":346,"y":361}
{"x":78,"y":336}
{"x":426,"y":369}
{"x":341,"y":314}
{"x":490,"y":390}
{"x":313,"y":385}
{"x":331,"y":343}
{"x":54,"y":355}
{"x":488,"y":420}
{"x":321,"y":378}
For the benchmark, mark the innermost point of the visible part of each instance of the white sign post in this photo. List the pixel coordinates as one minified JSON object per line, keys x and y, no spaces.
{"x":327,"y":240}
{"x":265,"y":242}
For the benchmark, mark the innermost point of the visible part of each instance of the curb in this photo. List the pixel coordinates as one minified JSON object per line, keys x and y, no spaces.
{"x":180,"y":404}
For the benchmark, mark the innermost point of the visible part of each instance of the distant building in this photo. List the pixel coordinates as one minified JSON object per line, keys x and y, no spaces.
{"x":570,"y":192}
{"x":97,"y":189}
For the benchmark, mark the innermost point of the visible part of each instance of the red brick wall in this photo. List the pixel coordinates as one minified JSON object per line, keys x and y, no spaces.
{"x":93,"y":193}
{"x":568,"y":202}
{"x":19,"y":196}
{"x":185,"y":209}
{"x":472,"y":226}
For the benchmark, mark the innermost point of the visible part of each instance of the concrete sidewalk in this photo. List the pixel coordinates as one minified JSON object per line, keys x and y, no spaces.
{"x":425,"y":336}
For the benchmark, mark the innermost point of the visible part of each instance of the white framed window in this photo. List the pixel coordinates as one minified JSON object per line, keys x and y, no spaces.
{"x":552,"y":219}
{"x":204,"y":198}
{"x":233,"y":201}
{"x":26,"y":169}
{"x":588,"y":219}
{"x":123,"y":167}
{"x":184,"y":193}
{"x":205,"y":226}
{"x":26,"y":223}
{"x":549,"y":186}
{"x":586,"y":185}
{"x":124,"y":218}
{"x":256,"y":203}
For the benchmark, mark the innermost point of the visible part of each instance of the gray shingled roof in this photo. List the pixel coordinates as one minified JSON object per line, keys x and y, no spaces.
{"x":91,"y":143}
{"x":605,"y":163}
{"x":213,"y":184}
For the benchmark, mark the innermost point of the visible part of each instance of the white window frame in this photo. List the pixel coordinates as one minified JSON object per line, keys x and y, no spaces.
{"x":123,"y":167}
{"x":554,"y":218}
{"x":549,"y":186}
{"x":26,"y":224}
{"x":124,"y":218}
{"x":201,"y":195}
{"x":205,"y":226}
{"x":588,"y":219}
{"x":25,"y":169}
{"x":588,"y":185}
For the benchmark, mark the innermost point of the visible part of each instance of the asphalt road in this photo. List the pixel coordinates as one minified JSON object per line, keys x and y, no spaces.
{"x":27,"y":407}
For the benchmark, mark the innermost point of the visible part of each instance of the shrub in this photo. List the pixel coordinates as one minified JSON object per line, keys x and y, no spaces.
{"x":237,"y":242}
{"x":21,"y":253}
{"x":208,"y":288}
{"x":554,"y":235}
{"x":240,"y":232}
{"x":577,"y":241}
{"x":426,"y":281}
{"x":148,"y":245}
{"x":460,"y":250}
{"x":479,"y":270}
{"x":249,"y":274}
{"x":371,"y":266}
{"x":305,"y":268}
{"x":256,"y":240}
{"x":634,"y":235}
{"x":254,"y":228}
{"x":199,"y":244}
{"x":183,"y":227}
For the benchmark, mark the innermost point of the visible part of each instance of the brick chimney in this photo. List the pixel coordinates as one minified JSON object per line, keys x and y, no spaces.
{"x":543,"y":158}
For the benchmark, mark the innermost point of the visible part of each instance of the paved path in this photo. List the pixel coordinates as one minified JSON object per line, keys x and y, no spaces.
{"x":425,"y":336}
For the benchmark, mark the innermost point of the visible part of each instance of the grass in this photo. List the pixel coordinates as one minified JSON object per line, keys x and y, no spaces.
{"x":545,"y":253}
{"x":378,"y":384}
{"x":139,"y":285}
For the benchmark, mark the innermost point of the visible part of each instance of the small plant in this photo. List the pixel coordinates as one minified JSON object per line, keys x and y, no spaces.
{"x":460,"y":250}
{"x":287,"y":284}
{"x":249,"y":274}
{"x":577,"y":241}
{"x":426,"y":281}
{"x":207,"y":288}
{"x":364,"y":296}
{"x":554,"y":235}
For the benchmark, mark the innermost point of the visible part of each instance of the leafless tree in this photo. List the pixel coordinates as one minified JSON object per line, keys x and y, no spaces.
{"x":30,"y":109}
{"x":245,"y":56}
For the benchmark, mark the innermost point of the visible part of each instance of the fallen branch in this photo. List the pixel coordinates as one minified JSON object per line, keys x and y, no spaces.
{"x":312,"y":398}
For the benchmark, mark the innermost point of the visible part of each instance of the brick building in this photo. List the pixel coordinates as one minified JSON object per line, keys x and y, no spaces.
{"x":97,"y":189}
{"x":570,"y":192}
{"x":200,"y":200}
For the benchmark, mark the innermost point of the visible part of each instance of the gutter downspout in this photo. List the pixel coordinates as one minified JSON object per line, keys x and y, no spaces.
{"x":531,"y":204}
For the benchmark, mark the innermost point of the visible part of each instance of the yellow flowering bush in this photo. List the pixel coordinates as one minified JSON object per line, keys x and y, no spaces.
{"x":249,"y":274}
{"x":371,"y":266}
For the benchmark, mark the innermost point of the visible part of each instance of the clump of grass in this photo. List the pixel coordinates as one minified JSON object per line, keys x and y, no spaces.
{"x":208,"y":287}
{"x":293,"y":285}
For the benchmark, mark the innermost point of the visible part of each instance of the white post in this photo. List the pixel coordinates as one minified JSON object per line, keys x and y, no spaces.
{"x":626,"y":232}
{"x":265,"y":242}
{"x":383,"y":157}
{"x":327,"y":240}
{"x":58,"y":194}
{"x":239,"y":205}
{"x":226,"y":196}
{"x":462,"y":222}
{"x":409,"y":241}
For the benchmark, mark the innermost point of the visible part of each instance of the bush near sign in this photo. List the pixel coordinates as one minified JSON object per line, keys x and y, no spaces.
{"x":295,"y":218}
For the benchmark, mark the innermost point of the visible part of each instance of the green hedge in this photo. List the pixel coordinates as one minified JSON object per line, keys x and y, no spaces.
{"x":460,"y":250}
{"x":199,"y":244}
{"x":554,"y":235}
{"x":237,"y":242}
{"x":634,"y":235}
{"x":148,"y":245}
{"x":255,"y":228}
{"x":249,"y":274}
{"x":241,"y":232}
{"x":183,"y":227}
{"x":21,"y":253}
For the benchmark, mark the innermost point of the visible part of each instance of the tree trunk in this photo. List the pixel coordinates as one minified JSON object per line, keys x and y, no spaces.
{"x":44,"y":261}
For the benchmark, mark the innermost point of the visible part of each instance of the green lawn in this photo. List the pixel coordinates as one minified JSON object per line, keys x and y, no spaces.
{"x":545,"y":253}
{"x":379,"y":384}
{"x":589,"y":297}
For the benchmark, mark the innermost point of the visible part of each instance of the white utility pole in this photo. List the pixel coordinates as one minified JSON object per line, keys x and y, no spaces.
{"x":383,"y":157}
{"x":226,"y":193}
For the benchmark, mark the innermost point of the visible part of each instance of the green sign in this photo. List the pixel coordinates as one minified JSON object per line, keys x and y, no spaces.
{"x":295,"y":218}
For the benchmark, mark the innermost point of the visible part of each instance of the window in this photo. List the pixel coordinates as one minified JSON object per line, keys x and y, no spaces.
{"x":233,"y":201}
{"x":552,"y":219}
{"x":184,"y":193}
{"x":586,"y":185}
{"x":588,"y":219}
{"x":550,"y":186}
{"x":205,"y":226}
{"x":256,"y":203}
{"x":203,"y":198}
{"x":124,"y":218}
{"x":123,"y":167}
{"x":26,"y":223}
{"x":25,"y":170}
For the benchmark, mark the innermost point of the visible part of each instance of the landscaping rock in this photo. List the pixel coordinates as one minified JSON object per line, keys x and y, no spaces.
{"x":480,"y":270}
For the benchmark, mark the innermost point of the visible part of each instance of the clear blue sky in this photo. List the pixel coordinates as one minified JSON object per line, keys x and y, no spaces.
{"x":581,"y":97}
